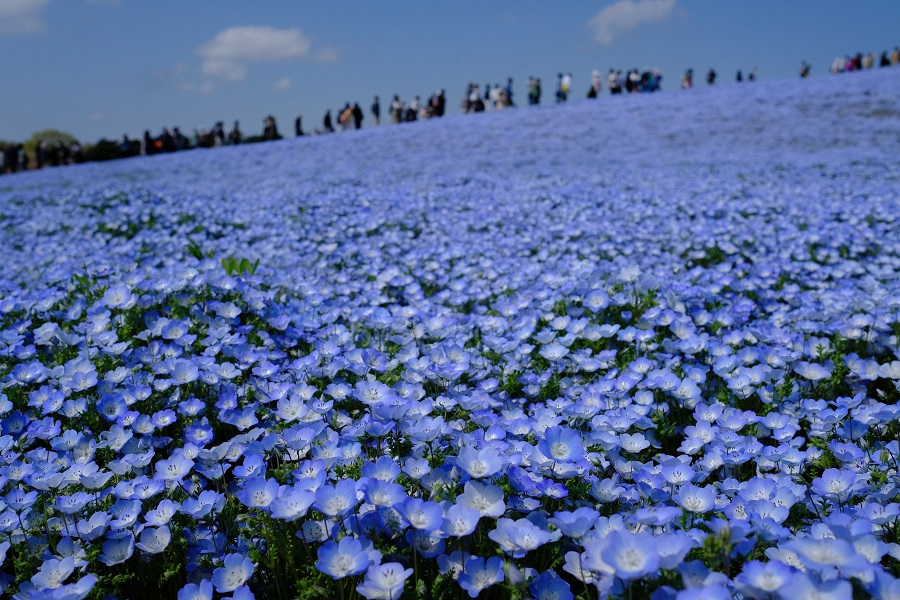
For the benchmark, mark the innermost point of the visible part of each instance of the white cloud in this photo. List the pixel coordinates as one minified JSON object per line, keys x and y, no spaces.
{"x":282,"y":84}
{"x":623,"y":15}
{"x":226,"y":56}
{"x":18,"y":17}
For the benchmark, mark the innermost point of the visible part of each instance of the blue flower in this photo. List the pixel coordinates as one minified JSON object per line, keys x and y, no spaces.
{"x":577,"y":523}
{"x":487,"y":499}
{"x":292,"y":503}
{"x":460,"y":520}
{"x":258,"y":492}
{"x":384,"y":581}
{"x":53,"y":573}
{"x":549,"y":586}
{"x":562,"y":444}
{"x":154,"y":540}
{"x":695,"y":499}
{"x":234,"y":572}
{"x":421,"y":514}
{"x":480,"y":574}
{"x":174,"y":468}
{"x":837,"y":485}
{"x":336,"y":500}
{"x":630,"y":556}
{"x":762,"y":580}
{"x":517,"y":538}
{"x":342,"y":559}
{"x":117,"y":548}
{"x":479,"y":463}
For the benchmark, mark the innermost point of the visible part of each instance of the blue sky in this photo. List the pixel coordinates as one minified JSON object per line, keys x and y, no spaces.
{"x":101,"y":68}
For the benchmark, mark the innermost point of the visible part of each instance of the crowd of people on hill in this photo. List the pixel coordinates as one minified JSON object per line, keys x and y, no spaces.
{"x":860,"y":61}
{"x":351,"y":116}
{"x":47,"y":154}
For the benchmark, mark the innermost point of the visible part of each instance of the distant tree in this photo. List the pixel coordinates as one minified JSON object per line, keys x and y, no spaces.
{"x":51,"y":136}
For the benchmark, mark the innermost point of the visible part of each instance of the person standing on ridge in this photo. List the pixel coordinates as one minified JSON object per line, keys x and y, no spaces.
{"x":376,"y":111}
{"x":235,"y":136}
{"x":357,"y":114}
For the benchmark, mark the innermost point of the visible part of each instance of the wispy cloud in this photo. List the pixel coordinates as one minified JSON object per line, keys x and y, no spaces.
{"x":227,"y":55}
{"x":327,"y":55}
{"x":624,"y":15}
{"x":19,"y":17}
{"x":282,"y":84}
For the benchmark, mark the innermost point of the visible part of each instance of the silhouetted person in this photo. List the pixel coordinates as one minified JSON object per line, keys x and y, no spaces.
{"x":168,"y":142}
{"x":711,"y":77}
{"x":40,"y":153}
{"x":804,"y":69}
{"x":440,"y":105}
{"x":740,"y":76}
{"x":376,"y":111}
{"x":357,"y":113}
{"x":235,"y":136}
{"x":125,"y":147}
{"x":219,"y":134}
{"x":326,"y":123}
{"x":298,"y":125}
{"x":270,"y":129}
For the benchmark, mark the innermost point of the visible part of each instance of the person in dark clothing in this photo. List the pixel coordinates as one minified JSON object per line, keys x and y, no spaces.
{"x":125,"y":147}
{"x":11,"y":158}
{"x":270,"y":129}
{"x":40,"y":152}
{"x":711,"y":77}
{"x":357,"y":113}
{"x":440,"y":105}
{"x":376,"y":111}
{"x":235,"y":136}
{"x":804,"y":69}
{"x":53,"y":157}
{"x":740,"y":76}
{"x":181,"y":142}
{"x":298,"y":125}
{"x":168,"y":142}
{"x":326,"y":123}
{"x":149,"y":145}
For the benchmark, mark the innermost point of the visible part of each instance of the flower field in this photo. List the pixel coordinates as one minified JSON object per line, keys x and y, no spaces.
{"x":645,"y":346}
